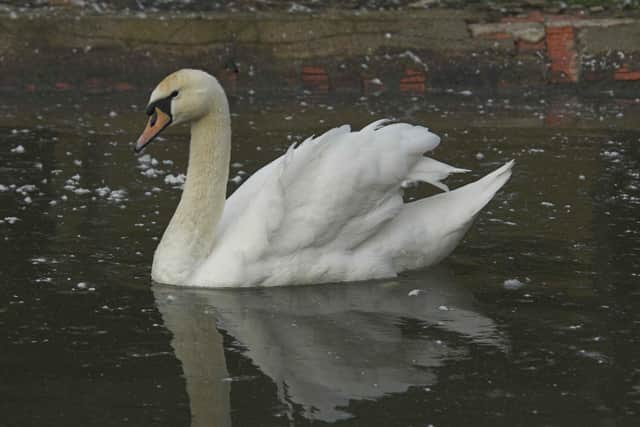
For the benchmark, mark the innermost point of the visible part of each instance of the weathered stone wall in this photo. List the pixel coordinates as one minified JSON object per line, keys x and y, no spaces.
{"x":408,"y":51}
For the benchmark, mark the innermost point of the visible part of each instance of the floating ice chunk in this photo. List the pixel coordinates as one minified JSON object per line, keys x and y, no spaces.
{"x":27,"y":188}
{"x":512,"y":284}
{"x":236,"y":179}
{"x":548,"y":204}
{"x":146,"y":161}
{"x":28,"y":200}
{"x":145,"y":158}
{"x":82,"y":191}
{"x":582,"y":177}
{"x":81,"y":285}
{"x":151,"y":173}
{"x":443,"y":308}
{"x":298,"y":8}
{"x":175,"y":180}
{"x":117,"y":195}
{"x":18,"y":149}
{"x":597,"y":356}
{"x":102,"y":191}
{"x":11,"y":219}
{"x":414,"y":292}
{"x":76,"y":177}
{"x":466,"y":92}
{"x":77,"y":162}
{"x":3,"y":188}
{"x":479,"y":156}
{"x":113,"y":114}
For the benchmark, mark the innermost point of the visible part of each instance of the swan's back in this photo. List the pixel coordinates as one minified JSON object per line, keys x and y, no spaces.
{"x":331,"y":209}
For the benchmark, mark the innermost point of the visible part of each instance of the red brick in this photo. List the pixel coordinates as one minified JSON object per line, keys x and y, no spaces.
{"x":63,"y":86}
{"x":123,"y":87}
{"x":413,"y":81}
{"x":561,"y":48}
{"x":624,"y":73}
{"x":316,"y":78}
{"x":313,"y":70}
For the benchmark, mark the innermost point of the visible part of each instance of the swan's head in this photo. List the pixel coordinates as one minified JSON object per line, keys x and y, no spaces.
{"x":184,"y":96}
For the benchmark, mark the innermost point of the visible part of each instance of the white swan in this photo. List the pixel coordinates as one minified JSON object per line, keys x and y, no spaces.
{"x":328,"y":210}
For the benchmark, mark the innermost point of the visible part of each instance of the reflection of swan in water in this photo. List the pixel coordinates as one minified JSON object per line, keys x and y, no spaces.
{"x":323,"y":345}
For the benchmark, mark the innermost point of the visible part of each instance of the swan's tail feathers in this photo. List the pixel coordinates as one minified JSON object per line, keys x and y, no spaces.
{"x":433,"y":172}
{"x":480,"y":192}
{"x":427,"y":230}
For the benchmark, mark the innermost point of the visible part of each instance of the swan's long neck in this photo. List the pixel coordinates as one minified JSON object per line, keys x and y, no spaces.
{"x":190,"y":235}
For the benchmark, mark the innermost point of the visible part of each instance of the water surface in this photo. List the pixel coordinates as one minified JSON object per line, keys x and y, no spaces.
{"x":532,"y":321}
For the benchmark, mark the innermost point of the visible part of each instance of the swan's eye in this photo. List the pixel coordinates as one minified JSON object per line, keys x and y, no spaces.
{"x":153,"y":119}
{"x":174,"y":93}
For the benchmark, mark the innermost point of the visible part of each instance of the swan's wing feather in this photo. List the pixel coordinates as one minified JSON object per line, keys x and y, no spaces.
{"x":433,"y":172}
{"x":338,"y":189}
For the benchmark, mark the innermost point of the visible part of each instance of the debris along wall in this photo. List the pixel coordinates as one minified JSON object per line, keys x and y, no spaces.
{"x":408,"y":51}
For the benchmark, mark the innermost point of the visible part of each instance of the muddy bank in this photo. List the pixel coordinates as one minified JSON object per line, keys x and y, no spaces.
{"x":413,"y":51}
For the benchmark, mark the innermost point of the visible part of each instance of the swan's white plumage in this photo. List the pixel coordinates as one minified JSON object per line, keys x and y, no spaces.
{"x":331,"y":209}
{"x":314,"y":214}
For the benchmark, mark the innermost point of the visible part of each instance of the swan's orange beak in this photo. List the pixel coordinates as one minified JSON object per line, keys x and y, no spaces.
{"x":158,"y":121}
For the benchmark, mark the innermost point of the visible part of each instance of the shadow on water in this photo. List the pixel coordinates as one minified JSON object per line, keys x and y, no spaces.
{"x":323,"y":347}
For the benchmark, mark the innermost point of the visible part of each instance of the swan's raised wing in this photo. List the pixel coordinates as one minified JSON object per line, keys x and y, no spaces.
{"x":322,"y":199}
{"x":339,"y":188}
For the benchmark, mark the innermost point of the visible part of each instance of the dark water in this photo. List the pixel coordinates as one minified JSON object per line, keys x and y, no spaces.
{"x":88,"y":340}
